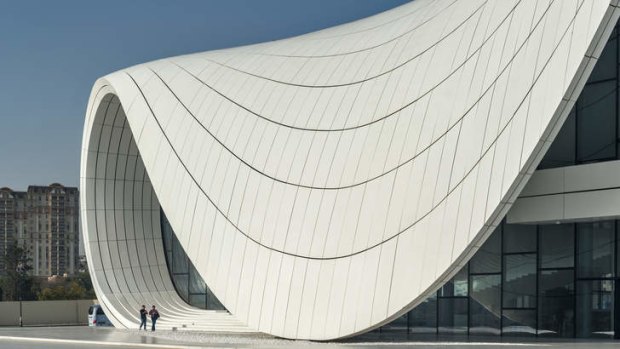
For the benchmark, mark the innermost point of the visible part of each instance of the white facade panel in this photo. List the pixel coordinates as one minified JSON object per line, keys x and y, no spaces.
{"x":325,"y":184}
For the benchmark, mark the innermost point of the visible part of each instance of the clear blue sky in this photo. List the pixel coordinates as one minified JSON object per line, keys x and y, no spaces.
{"x":51,"y":52}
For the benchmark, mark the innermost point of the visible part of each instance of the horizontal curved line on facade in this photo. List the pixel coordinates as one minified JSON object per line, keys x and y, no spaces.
{"x":407,"y":61}
{"x":496,"y":138}
{"x":389,"y":238}
{"x":132,"y":240}
{"x":132,"y":266}
{"x":351,"y":128}
{"x":109,"y":153}
{"x":370,"y":47}
{"x":366,"y":181}
{"x":391,"y":21}
{"x":134,"y":209}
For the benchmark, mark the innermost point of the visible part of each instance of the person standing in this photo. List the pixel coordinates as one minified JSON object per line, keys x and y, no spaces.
{"x":154,"y":316}
{"x":143,"y":314}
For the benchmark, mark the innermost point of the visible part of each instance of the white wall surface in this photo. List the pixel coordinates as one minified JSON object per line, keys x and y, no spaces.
{"x":325,"y":184}
{"x":568,"y":194}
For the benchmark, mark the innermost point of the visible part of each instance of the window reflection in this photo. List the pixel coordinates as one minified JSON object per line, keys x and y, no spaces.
{"x":595,"y":308}
{"x":596,"y":122}
{"x":457,"y":286}
{"x":187,"y":281}
{"x":557,"y":246}
{"x":519,"y":238}
{"x":399,"y":325}
{"x":606,"y":66}
{"x":452,"y":315}
{"x":519,"y":322}
{"x":562,"y":287}
{"x":595,"y":249}
{"x":520,"y":281}
{"x":484,"y":303}
{"x":556,"y":315}
{"x":423,"y":318}
{"x":562,"y":150}
{"x":488,"y":259}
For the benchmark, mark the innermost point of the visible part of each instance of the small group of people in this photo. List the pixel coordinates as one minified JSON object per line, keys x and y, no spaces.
{"x":153,"y":313}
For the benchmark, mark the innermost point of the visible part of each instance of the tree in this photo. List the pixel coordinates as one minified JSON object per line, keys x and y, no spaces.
{"x":84,"y":280}
{"x":78,"y":287}
{"x":73,"y":290}
{"x":16,"y":283}
{"x":52,"y":293}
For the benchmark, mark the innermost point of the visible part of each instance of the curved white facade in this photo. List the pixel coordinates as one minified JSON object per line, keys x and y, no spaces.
{"x":325,"y":184}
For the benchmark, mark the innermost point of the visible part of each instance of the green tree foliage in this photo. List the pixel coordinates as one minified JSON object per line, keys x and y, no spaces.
{"x":72,"y":290}
{"x":84,"y":280}
{"x":52,"y":293}
{"x":16,"y":283}
{"x":79,"y":287}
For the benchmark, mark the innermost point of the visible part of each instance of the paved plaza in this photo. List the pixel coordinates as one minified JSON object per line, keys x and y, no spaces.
{"x":85,"y":337}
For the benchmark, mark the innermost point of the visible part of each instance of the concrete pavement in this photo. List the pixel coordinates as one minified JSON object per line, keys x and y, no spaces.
{"x":106,"y":338}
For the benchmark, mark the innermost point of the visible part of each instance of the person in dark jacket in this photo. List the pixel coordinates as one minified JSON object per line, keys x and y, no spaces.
{"x":154,"y":316}
{"x":143,"y":313}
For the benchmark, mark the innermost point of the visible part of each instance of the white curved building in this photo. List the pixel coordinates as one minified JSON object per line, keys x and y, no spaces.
{"x":325,"y":185}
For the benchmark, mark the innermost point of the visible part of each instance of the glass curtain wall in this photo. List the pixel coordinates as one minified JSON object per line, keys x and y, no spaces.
{"x":485,"y":279}
{"x":528,"y":280}
{"x":596,"y":259}
{"x":590,"y":133}
{"x":544,"y":280}
{"x":188,"y":283}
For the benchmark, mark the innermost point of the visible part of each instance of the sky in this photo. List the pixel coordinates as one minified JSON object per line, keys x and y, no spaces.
{"x":51,"y":53}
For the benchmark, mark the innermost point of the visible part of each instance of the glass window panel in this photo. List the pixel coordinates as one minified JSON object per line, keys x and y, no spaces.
{"x":519,"y":322}
{"x":605,"y":67}
{"x":452,"y":316}
{"x":484,"y":303}
{"x":167,"y":232}
{"x":595,"y":249}
{"x":196,"y":283}
{"x":181,"y":284}
{"x":556,"y":312}
{"x":212,"y":302}
{"x":488,"y":257}
{"x":617,"y":250}
{"x":562,"y":150}
{"x":520,"y":281}
{"x":198,"y":300}
{"x":557,"y":246}
{"x":180,"y":263}
{"x":423,"y":318}
{"x":399,"y":325}
{"x":457,"y":286}
{"x":596,"y":122}
{"x":595,"y":308}
{"x":184,"y":275}
{"x":519,"y":238}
